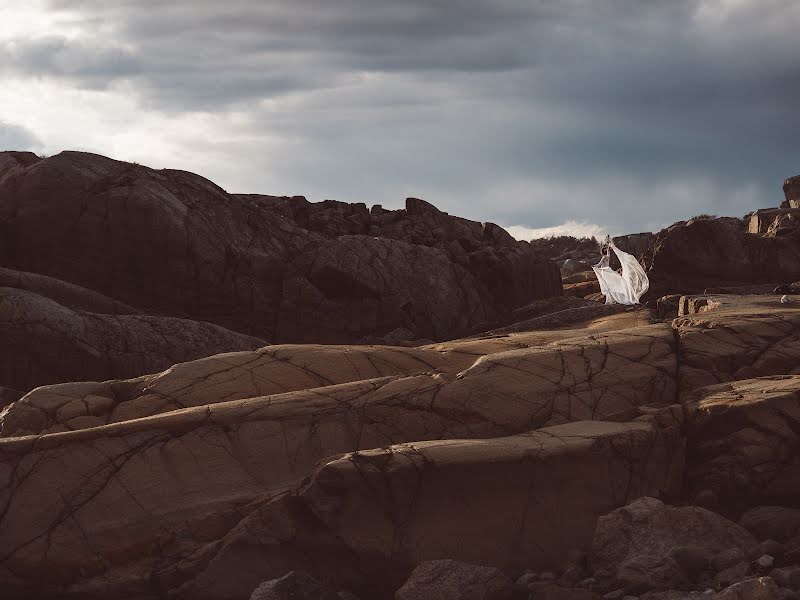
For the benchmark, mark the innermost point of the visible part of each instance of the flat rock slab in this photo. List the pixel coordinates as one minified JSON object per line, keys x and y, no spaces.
{"x":517,"y":381}
{"x":728,"y":338}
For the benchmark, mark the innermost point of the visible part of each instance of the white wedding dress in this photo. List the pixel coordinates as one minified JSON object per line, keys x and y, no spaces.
{"x":625,"y":288}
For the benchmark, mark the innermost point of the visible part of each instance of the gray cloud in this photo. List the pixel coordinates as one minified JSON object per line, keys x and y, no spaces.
{"x":15,"y":137}
{"x":624,"y":113}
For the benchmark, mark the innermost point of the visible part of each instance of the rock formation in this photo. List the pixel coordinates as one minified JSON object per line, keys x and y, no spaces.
{"x":712,"y":254}
{"x":791,"y":191}
{"x":549,"y":448}
{"x":172,"y":243}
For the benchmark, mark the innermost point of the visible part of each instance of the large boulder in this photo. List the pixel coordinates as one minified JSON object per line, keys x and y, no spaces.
{"x":640,"y":544}
{"x":172,"y":243}
{"x":293,"y":586}
{"x":691,"y":256}
{"x":453,"y":580}
{"x":635,"y":243}
{"x":45,"y":342}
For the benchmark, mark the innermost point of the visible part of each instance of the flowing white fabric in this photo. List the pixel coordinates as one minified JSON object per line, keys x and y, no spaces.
{"x":625,"y":288}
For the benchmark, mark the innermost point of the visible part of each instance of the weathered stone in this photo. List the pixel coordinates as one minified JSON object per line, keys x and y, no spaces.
{"x":701,"y":253}
{"x":638,"y":541}
{"x":788,"y":577}
{"x":743,"y":446}
{"x":172,"y":243}
{"x":499,"y":502}
{"x":607,"y":375}
{"x":44,"y":342}
{"x":454,"y":580}
{"x":635,"y":243}
{"x":293,"y":586}
{"x":763,"y":588}
{"x":66,"y":294}
{"x":791,"y":190}
{"x":772,"y":522}
{"x":727,"y":338}
{"x":733,"y":574}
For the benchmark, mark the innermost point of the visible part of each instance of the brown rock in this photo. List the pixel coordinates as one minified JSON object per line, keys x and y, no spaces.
{"x":788,"y":577}
{"x":763,"y":588}
{"x":172,"y":243}
{"x":454,"y":580}
{"x":521,"y":500}
{"x":742,"y":445}
{"x":507,"y":390}
{"x":791,"y":191}
{"x":727,"y":338}
{"x":293,"y":586}
{"x":637,"y":542}
{"x":701,"y":253}
{"x":66,"y":294}
{"x":44,"y":342}
{"x":772,"y":522}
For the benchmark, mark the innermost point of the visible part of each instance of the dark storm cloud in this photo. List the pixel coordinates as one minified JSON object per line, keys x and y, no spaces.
{"x":616,"y":111}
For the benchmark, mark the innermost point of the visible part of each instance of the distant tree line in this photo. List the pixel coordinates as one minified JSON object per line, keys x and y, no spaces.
{"x":553,"y":247}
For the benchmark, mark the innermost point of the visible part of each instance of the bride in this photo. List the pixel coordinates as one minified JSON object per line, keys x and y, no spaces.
{"x":625,"y":287}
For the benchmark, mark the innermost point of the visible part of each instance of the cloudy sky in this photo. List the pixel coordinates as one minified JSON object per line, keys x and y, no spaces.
{"x":566,"y":115}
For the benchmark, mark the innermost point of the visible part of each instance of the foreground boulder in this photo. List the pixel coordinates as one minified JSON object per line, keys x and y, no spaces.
{"x":453,"y":580}
{"x":294,"y":586}
{"x":172,"y":243}
{"x":645,"y":545}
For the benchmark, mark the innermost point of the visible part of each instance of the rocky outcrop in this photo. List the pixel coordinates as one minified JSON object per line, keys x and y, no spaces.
{"x":172,"y":243}
{"x":66,"y":294}
{"x":507,"y":390}
{"x":729,"y":338}
{"x":791,"y":191}
{"x":743,"y":445}
{"x":635,"y":243}
{"x":45,"y":342}
{"x":691,"y":256}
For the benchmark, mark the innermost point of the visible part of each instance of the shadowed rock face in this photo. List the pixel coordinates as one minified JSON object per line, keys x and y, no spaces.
{"x":44,"y":342}
{"x":744,"y":445}
{"x":791,"y":191}
{"x":702,"y":253}
{"x":173,"y":243}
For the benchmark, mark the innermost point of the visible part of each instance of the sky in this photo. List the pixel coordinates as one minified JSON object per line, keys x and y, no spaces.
{"x":547,"y":117}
